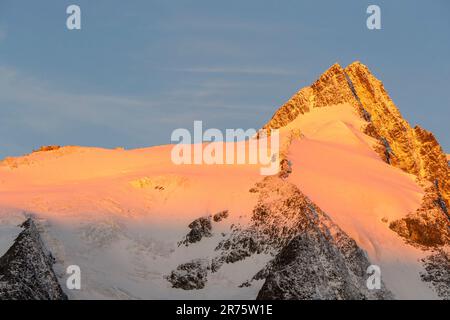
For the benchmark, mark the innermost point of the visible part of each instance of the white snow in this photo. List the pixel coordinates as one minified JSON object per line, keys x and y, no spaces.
{"x":119,"y":214}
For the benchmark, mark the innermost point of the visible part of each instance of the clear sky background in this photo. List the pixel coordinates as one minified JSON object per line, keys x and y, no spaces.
{"x":139,"y":69}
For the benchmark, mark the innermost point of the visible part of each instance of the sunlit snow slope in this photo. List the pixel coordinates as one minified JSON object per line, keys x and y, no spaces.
{"x":120,"y":214}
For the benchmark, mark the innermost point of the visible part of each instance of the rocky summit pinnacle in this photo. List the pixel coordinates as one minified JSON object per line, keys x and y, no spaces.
{"x":412,"y":149}
{"x":360,"y":193}
{"x":26,"y":269}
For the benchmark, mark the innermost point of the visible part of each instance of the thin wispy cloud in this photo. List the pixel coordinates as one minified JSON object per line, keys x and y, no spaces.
{"x":33,"y":95}
{"x":37,"y":102}
{"x":34,"y":111}
{"x":238,"y":70}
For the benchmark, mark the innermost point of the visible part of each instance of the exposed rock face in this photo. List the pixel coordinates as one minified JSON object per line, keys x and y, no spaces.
{"x":314,"y":258}
{"x":47,"y":148}
{"x":413,"y":150}
{"x":200,"y":228}
{"x":330,"y":89}
{"x":428,"y":226}
{"x":437,"y":268}
{"x":190,"y":276}
{"x":26,"y":271}
{"x":311,"y":267}
{"x":285,"y":168}
{"x":219,"y":216}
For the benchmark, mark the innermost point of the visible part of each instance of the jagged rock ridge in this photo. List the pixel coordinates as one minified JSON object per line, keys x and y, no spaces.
{"x":190,"y":275}
{"x":413,"y":150}
{"x":437,"y":272}
{"x":26,"y":271}
{"x":313,"y":257}
{"x":202,"y":227}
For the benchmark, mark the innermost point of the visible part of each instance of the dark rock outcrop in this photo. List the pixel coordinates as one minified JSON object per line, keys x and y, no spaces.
{"x":200,"y":228}
{"x":428,"y":226}
{"x":437,"y":272}
{"x":314,"y":258}
{"x":285,"y":168}
{"x":313,"y":267}
{"x":26,"y":269}
{"x":189,"y":276}
{"x":219,"y":216}
{"x":412,"y":149}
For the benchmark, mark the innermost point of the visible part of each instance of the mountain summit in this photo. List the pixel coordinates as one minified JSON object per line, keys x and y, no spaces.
{"x":359,"y":190}
{"x":414,"y":150}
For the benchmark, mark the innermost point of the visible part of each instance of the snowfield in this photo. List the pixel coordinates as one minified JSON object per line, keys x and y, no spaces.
{"x":120,"y":214}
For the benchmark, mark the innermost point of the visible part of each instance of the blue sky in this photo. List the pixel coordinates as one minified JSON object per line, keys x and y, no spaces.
{"x":139,"y":69}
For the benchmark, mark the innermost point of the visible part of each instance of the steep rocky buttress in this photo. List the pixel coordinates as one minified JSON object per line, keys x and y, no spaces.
{"x":414,"y":150}
{"x":26,"y":269}
{"x":313,"y":257}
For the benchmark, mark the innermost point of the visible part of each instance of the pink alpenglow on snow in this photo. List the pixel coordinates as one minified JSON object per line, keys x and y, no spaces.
{"x":137,"y":224}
